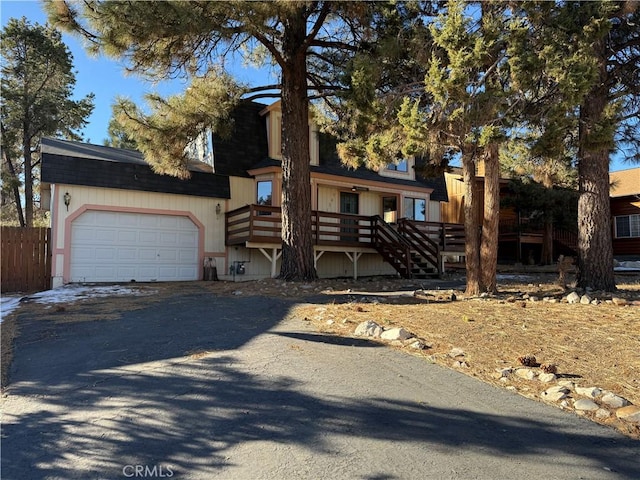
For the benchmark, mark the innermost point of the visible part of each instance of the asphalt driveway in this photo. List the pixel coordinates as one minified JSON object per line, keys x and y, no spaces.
{"x":199,"y":386}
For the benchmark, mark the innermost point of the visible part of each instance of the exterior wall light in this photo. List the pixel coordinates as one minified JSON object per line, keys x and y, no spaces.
{"x":67,"y":200}
{"x":218,"y":209}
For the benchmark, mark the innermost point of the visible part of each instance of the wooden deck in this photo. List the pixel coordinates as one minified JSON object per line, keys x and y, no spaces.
{"x":259,"y":224}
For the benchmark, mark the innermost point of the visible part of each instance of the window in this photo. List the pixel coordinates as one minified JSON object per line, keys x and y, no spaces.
{"x":265,"y":189}
{"x":415,"y":209}
{"x":628,"y":226}
{"x":264,"y":196}
{"x":401,"y":166}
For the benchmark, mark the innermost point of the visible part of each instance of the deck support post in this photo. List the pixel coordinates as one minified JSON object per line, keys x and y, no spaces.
{"x":273,"y":258}
{"x":354,"y":257}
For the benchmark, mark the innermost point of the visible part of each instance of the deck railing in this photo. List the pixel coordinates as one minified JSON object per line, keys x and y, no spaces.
{"x":263,"y":224}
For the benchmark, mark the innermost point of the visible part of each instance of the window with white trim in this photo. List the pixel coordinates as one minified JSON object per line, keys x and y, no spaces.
{"x":627,"y":226}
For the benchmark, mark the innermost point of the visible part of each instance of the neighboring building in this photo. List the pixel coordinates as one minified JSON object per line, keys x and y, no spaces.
{"x":519,"y":238}
{"x":625,"y":212}
{"x":113,"y":219}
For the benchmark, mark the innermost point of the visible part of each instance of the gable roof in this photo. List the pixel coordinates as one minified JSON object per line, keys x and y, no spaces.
{"x":76,"y":163}
{"x":625,"y":182}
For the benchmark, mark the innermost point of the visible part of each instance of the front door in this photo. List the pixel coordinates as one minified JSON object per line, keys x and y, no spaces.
{"x":390,"y":209}
{"x":349,"y":204}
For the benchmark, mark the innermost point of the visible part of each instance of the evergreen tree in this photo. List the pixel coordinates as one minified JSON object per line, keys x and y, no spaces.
{"x":306,"y":42}
{"x":447,"y":97}
{"x":37,"y":85}
{"x":588,"y":55}
{"x":119,"y":137}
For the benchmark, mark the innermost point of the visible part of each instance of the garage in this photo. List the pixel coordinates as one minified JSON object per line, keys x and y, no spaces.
{"x":108,"y":246}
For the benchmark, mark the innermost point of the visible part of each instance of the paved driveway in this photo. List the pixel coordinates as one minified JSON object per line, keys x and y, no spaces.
{"x":138,"y":397}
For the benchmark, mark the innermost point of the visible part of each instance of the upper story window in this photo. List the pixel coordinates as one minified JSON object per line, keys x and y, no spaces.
{"x":628,"y":226}
{"x":415,"y":209}
{"x":401,"y":166}
{"x":265,"y":192}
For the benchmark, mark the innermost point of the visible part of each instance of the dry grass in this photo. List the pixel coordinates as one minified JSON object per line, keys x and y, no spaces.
{"x":592,"y":345}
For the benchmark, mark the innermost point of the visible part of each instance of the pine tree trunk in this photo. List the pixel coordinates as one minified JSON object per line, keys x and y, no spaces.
{"x":595,"y":250}
{"x":471,"y":226}
{"x":297,"y":242}
{"x":28,"y":182}
{"x":15,"y":188}
{"x":547,"y":241}
{"x":491,"y":219}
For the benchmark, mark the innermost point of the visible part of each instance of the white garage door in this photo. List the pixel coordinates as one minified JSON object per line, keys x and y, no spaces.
{"x":119,"y":247}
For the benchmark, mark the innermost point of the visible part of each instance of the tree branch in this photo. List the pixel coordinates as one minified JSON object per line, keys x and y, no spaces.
{"x":316,"y":27}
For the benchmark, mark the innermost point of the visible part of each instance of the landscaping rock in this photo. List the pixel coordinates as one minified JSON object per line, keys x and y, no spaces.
{"x":555,"y":393}
{"x":621,"y":302}
{"x":546,"y":377}
{"x":456,"y":352}
{"x":503,"y":372}
{"x":526,"y":373}
{"x":368,"y":328}
{"x":602,"y":413}
{"x":458,"y":364}
{"x":395,"y":334}
{"x":614,"y":401}
{"x":585,"y":404}
{"x":585,"y":299}
{"x":591,"y":392}
{"x":573,"y":297}
{"x":418,"y":345}
{"x":630,"y":413}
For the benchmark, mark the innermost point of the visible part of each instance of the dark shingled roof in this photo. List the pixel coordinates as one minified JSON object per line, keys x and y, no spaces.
{"x":76,"y":163}
{"x":247,"y":149}
{"x":246,"y":145}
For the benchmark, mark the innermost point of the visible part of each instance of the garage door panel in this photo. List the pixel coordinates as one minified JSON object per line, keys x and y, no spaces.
{"x":127,"y":220}
{"x":167,"y":255}
{"x":127,"y":237}
{"x":82,"y":234}
{"x":122,"y":246}
{"x":127,"y":254}
{"x":106,"y":254}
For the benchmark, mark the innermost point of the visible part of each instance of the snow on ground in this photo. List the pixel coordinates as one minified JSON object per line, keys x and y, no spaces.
{"x":7,"y":305}
{"x":627,"y":267}
{"x":69,"y":294}
{"x":509,"y":276}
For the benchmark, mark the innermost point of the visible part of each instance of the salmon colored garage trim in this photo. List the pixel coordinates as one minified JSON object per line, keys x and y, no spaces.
{"x":108,"y":208}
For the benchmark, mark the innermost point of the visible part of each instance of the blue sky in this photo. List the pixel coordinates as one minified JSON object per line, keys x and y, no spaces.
{"x":105,"y":78}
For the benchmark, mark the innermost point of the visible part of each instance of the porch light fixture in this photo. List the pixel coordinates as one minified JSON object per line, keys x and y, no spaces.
{"x":218,"y":209}
{"x":359,"y":189}
{"x":67,"y":200}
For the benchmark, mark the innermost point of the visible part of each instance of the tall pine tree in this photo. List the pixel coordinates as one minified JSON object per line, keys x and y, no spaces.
{"x":37,"y":88}
{"x":306,"y":42}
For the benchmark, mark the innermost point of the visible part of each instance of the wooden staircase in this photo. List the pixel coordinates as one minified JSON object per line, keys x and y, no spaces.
{"x":408,"y":250}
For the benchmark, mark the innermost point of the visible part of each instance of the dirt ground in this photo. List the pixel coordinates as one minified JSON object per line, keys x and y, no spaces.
{"x":591,"y":345}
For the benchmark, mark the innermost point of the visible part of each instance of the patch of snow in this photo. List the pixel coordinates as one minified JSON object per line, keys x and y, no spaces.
{"x":511,"y":276}
{"x":627,"y":267}
{"x":72,"y":293}
{"x":7,"y":305}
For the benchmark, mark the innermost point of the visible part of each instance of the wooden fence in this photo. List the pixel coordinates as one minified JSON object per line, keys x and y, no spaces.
{"x":25,"y":259}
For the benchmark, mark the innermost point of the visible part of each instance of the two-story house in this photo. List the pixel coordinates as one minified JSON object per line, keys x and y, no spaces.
{"x":113,"y":219}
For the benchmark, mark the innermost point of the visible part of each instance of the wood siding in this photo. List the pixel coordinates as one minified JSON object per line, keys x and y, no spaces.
{"x":625,"y":206}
